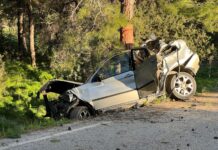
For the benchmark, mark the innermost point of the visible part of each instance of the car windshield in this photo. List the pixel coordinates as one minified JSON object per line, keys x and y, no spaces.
{"x":115,"y":66}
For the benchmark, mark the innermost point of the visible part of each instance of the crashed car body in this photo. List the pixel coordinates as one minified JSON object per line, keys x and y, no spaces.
{"x":125,"y":79}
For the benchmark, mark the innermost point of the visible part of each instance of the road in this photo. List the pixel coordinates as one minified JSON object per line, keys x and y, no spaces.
{"x":167,"y":125}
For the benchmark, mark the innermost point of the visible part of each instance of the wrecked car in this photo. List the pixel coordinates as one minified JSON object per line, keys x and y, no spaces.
{"x":128,"y":78}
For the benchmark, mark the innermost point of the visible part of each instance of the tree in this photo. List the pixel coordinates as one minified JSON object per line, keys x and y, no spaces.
{"x":127,"y":31}
{"x":151,"y":18}
{"x":22,"y":45}
{"x":204,"y":11}
{"x":31,"y":33}
{"x":129,"y":8}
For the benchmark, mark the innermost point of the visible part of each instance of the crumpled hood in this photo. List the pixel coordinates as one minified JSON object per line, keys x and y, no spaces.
{"x":58,"y":86}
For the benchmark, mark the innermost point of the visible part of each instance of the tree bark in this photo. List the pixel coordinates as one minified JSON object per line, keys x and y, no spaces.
{"x":22,"y":45}
{"x":129,"y":8}
{"x":24,"y":40}
{"x":19,"y":26}
{"x":126,"y":34}
{"x":31,"y":35}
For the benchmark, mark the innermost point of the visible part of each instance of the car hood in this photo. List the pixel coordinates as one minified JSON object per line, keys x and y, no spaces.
{"x":58,"y":86}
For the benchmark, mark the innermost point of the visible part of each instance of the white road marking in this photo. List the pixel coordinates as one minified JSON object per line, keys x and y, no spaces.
{"x":53,"y":135}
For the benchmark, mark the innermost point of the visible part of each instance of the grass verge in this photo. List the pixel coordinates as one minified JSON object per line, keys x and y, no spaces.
{"x":14,"y":127}
{"x":207,"y":79}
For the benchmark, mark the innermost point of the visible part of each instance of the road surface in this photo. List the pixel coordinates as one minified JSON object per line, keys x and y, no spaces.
{"x":168,"y":125}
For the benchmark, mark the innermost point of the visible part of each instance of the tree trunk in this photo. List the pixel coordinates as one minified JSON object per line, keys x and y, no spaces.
{"x":129,"y":8}
{"x":19,"y":26}
{"x":24,"y":41}
{"x":22,"y":45}
{"x":126,"y":34}
{"x":31,"y":35}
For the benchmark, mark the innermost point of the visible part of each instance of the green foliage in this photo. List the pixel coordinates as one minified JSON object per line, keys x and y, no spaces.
{"x":206,"y":84}
{"x":206,"y":79}
{"x":14,"y":127}
{"x":172,"y":27}
{"x":93,"y":33}
{"x":9,"y":128}
{"x":19,"y":106}
{"x":205,"y":12}
{"x":8,"y":43}
{"x":21,"y":86}
{"x":71,"y":41}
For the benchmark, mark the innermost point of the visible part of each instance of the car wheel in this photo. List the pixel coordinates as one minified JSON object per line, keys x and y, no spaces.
{"x":80,"y":113}
{"x":182,"y":86}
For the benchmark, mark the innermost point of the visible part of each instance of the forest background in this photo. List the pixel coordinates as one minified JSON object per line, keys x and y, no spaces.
{"x":45,"y":39}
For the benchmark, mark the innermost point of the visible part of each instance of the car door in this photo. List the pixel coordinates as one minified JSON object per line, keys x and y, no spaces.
{"x":145,"y":67}
{"x":116,"y":83}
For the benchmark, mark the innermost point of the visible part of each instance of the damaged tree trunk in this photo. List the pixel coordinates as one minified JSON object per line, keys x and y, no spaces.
{"x":127,"y":37}
{"x":31,"y":35}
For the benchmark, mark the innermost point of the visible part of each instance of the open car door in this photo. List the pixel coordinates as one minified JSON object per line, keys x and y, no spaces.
{"x":144,"y":67}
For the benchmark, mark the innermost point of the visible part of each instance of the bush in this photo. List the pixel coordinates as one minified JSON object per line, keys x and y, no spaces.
{"x":207,"y":80}
{"x":92,"y":35}
{"x":172,"y":27}
{"x":21,"y":86}
{"x":63,"y":63}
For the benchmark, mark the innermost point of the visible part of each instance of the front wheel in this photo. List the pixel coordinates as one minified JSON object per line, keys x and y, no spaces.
{"x":80,"y":113}
{"x":182,"y":86}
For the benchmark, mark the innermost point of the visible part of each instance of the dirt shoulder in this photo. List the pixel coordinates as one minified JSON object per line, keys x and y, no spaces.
{"x":203,"y":101}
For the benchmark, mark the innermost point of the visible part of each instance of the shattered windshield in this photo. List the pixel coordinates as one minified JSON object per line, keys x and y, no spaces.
{"x":115,"y":66}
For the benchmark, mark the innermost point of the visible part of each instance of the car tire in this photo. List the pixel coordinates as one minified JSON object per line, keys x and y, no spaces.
{"x":182,"y":86}
{"x":80,"y":113}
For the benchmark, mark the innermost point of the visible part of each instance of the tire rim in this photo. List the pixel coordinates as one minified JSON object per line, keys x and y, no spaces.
{"x":84,"y":114}
{"x":183,"y":85}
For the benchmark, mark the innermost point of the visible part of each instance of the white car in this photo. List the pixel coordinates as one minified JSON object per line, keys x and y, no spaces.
{"x":126,"y":78}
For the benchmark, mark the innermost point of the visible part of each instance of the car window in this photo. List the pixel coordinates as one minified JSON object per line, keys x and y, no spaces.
{"x":139,"y":56}
{"x":115,"y":66}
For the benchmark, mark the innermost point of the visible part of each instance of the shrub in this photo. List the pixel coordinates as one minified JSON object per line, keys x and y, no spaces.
{"x":91,"y":36}
{"x":172,"y":27}
{"x":63,"y":63}
{"x":21,"y":86}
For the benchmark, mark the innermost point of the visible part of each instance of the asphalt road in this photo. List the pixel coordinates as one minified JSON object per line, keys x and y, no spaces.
{"x":166,"y":126}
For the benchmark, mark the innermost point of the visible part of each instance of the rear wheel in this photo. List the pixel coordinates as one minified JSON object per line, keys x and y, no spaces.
{"x":80,"y":113}
{"x":182,"y":86}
